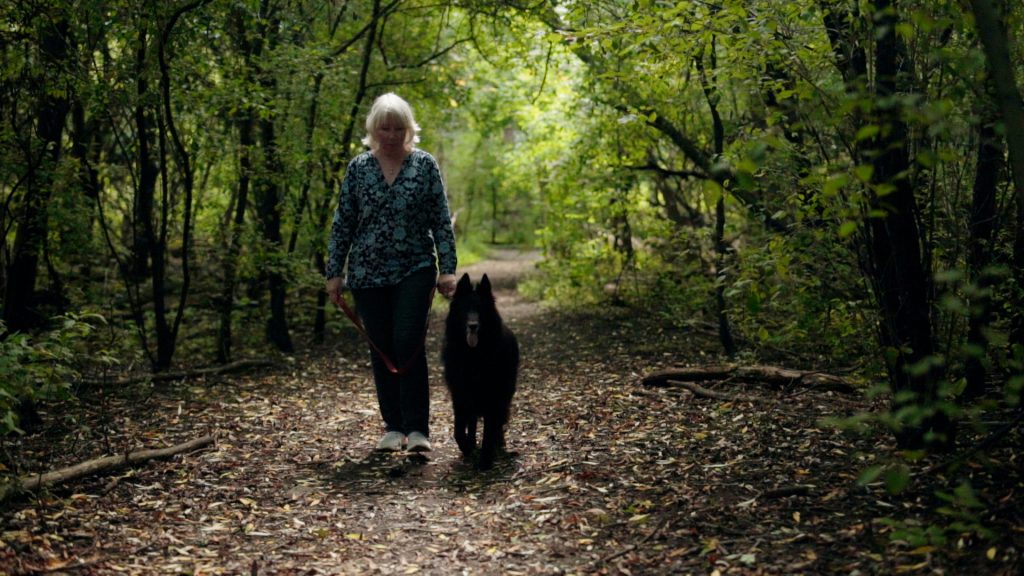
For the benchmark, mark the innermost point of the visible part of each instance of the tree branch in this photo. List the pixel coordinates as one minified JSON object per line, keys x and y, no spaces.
{"x":652,"y":167}
{"x":34,"y":482}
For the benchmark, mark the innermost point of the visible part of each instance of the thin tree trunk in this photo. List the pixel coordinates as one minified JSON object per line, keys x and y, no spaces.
{"x":721,"y":248}
{"x":167,"y":334}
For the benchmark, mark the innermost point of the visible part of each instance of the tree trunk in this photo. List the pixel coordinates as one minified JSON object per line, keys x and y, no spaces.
{"x":147,"y":252}
{"x":981,"y":224}
{"x":307,"y":178}
{"x":246,"y":124}
{"x":167,"y":334}
{"x":50,"y":112}
{"x":721,"y":248}
{"x":847,"y":46}
{"x":899,"y":277}
{"x":269,"y":201}
{"x":143,"y":234}
{"x":158,"y":263}
{"x":85,"y":151}
{"x":996,"y":41}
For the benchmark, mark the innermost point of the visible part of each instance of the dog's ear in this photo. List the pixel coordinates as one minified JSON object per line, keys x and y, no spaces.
{"x":464,"y":286}
{"x":484,"y":287}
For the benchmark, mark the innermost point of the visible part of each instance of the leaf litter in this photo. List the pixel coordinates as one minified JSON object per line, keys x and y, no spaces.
{"x":603,"y":476}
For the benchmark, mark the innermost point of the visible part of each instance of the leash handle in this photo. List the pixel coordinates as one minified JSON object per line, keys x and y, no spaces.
{"x":358,"y":323}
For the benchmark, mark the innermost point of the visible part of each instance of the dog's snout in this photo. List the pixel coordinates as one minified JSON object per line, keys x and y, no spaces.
{"x":472,"y":329}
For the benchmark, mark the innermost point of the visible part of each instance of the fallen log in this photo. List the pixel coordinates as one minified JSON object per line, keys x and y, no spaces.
{"x":165,"y":376}
{"x":772,"y":375}
{"x":715,"y":394}
{"x":34,"y":482}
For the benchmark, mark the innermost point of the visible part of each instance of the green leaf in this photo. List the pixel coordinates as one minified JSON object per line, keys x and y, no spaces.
{"x":836,"y":183}
{"x":897,"y":478}
{"x":846,"y":229}
{"x":870,"y":475}
{"x":864,"y":172}
{"x":884,"y":189}
{"x":866,"y":132}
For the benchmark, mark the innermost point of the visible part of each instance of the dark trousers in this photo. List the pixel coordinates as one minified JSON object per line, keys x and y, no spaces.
{"x":395,"y":317}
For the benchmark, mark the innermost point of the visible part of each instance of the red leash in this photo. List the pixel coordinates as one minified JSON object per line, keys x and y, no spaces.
{"x":366,"y":336}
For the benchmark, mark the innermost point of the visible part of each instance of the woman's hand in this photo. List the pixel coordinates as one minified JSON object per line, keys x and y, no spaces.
{"x":446,"y":285}
{"x":334,"y":287}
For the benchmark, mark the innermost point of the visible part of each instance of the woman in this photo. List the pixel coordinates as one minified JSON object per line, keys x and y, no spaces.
{"x":393,"y":226}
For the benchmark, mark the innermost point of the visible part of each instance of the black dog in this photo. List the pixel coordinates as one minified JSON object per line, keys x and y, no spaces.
{"x":481,"y":362}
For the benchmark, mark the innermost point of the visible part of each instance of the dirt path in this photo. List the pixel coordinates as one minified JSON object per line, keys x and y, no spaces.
{"x":606,"y":477}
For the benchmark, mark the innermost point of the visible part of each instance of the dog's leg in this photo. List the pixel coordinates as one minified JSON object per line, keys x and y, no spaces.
{"x":465,"y":432}
{"x":471,"y":434}
{"x":493,"y":426}
{"x":504,"y":415}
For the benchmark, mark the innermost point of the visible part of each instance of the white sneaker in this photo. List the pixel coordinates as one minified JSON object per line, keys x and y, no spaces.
{"x":418,"y":443}
{"x":391,"y":442}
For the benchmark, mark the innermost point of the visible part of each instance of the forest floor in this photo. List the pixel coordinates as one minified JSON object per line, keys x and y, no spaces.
{"x":605,"y":475}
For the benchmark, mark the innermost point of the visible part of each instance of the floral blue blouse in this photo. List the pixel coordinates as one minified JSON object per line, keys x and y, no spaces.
{"x":389,"y":231}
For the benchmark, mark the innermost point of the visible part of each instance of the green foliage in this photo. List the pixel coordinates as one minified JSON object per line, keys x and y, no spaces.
{"x":42,"y":367}
{"x":914,"y":533}
{"x":962,"y":513}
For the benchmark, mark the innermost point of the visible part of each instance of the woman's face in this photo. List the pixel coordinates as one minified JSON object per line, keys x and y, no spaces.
{"x":390,"y":135}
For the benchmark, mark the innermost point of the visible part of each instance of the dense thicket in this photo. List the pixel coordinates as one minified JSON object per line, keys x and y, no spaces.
{"x":833,"y":183}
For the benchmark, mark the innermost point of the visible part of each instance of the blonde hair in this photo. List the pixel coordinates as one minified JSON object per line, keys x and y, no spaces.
{"x":391,"y":106}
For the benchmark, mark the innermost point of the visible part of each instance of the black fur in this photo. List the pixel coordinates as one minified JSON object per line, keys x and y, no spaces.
{"x":482,"y":377}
